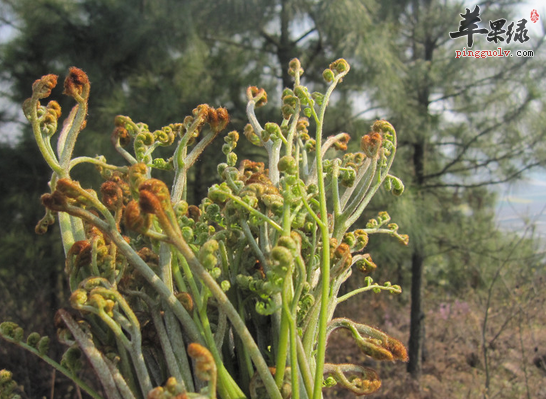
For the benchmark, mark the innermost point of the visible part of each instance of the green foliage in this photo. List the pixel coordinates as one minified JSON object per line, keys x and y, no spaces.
{"x":465,"y":127}
{"x":7,"y":386}
{"x":263,"y":250}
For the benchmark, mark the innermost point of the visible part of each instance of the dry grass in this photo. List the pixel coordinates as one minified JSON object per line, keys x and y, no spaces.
{"x":454,"y":365}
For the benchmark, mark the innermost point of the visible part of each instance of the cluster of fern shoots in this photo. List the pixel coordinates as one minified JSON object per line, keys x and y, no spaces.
{"x":233,"y":296}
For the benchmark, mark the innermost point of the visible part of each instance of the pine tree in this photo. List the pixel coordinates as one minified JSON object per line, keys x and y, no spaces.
{"x":465,"y":124}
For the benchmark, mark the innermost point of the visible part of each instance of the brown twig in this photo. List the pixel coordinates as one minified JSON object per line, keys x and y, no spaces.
{"x":53,"y":375}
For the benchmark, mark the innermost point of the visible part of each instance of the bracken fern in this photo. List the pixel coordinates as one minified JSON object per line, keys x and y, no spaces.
{"x":234,"y":296}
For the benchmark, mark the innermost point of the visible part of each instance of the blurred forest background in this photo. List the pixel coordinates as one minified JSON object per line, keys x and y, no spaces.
{"x":472,"y":310}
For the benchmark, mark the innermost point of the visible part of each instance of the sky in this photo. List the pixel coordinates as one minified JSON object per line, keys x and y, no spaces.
{"x":525,"y":200}
{"x":522,"y":202}
{"x":539,"y":5}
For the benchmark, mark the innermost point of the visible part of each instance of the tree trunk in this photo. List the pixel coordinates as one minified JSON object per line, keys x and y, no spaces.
{"x":417,"y":330}
{"x":285,"y":49}
{"x":416,"y":339}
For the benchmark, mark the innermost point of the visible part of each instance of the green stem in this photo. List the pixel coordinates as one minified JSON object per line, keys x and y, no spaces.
{"x":308,"y":207}
{"x":74,"y":131}
{"x":293,"y":337}
{"x":125,"y":367}
{"x":300,"y":280}
{"x":325,"y":236}
{"x":48,"y":155}
{"x":255,"y":212}
{"x":335,"y":189}
{"x":98,"y":162}
{"x":252,"y":242}
{"x":303,"y":362}
{"x":295,"y":376}
{"x":179,"y":348}
{"x":243,"y":357}
{"x":67,"y":235}
{"x":83,"y":385}
{"x":178,"y":278}
{"x":393,"y":289}
{"x":133,"y":346}
{"x":286,"y":212}
{"x":67,"y":126}
{"x":232,"y":314}
{"x":165,"y":269}
{"x":362,"y":202}
{"x":359,"y":202}
{"x":143,"y":269}
{"x":93,"y":354}
{"x":282,"y":346}
{"x":228,"y":387}
{"x":179,"y":184}
{"x":362,"y":171}
{"x":304,"y":170}
{"x":124,"y":153}
{"x":168,"y":351}
{"x":324,"y":269}
{"x":122,"y":385}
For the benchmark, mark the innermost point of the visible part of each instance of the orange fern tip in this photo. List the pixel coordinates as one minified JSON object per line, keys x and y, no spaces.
{"x":218,"y":119}
{"x":204,"y":362}
{"x":149,"y":203}
{"x":295,"y":67}
{"x":137,"y":175}
{"x":56,"y":201}
{"x":79,"y":254}
{"x":75,"y":82}
{"x":134,"y":220}
{"x":371,"y":143}
{"x":156,"y":187}
{"x":340,"y":66}
{"x":42,"y":87}
{"x":382,"y":126}
{"x":357,"y":379}
{"x":43,"y":224}
{"x":397,"y":349}
{"x":199,"y":352}
{"x":112,"y":195}
{"x":362,"y":387}
{"x":54,"y":108}
{"x":73,"y":190}
{"x":342,"y":142}
{"x":259,"y":96}
{"x":121,"y":134}
{"x":172,"y":389}
{"x":371,"y":348}
{"x":186,"y":300}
